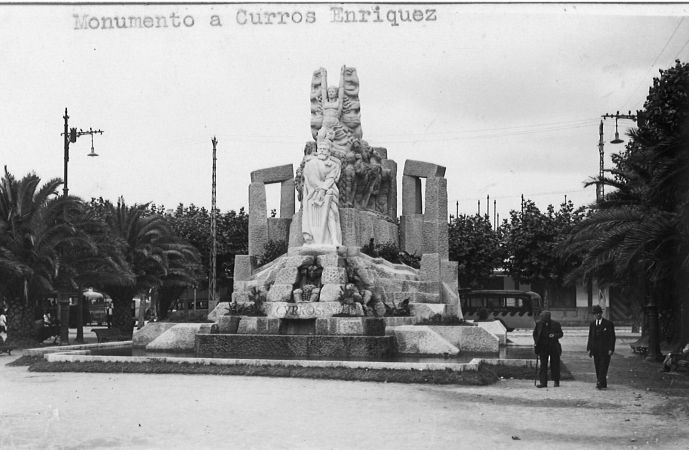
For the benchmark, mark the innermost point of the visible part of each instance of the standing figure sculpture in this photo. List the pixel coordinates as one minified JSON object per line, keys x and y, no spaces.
{"x":320,"y":211}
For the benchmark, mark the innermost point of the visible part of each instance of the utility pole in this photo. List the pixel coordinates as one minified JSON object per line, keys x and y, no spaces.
{"x":214,"y":249}
{"x":495,"y":212}
{"x":71,"y":135}
{"x":488,"y":206}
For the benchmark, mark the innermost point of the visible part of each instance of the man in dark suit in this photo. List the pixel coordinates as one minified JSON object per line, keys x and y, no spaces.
{"x":546,"y":337}
{"x":601,"y":345}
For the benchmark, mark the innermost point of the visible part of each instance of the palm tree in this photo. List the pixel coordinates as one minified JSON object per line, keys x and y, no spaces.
{"x":151,"y":252}
{"x":35,"y":232}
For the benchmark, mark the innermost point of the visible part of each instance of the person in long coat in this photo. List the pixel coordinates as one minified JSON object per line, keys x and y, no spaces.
{"x":601,"y":345}
{"x":546,"y":336}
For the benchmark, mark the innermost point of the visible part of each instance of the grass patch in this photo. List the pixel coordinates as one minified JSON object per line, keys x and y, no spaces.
{"x":480,"y":377}
{"x":26,"y":361}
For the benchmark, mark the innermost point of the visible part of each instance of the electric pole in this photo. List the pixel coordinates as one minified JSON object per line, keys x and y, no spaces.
{"x":214,"y":250}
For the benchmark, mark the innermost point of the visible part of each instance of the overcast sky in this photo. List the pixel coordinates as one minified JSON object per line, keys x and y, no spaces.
{"x":507,"y":97}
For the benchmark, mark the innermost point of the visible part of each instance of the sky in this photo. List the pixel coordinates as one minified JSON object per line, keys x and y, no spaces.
{"x":507,"y":97}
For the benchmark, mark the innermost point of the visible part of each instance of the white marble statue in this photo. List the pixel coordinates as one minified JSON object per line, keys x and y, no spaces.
{"x":320,"y":214}
{"x":335,"y":110}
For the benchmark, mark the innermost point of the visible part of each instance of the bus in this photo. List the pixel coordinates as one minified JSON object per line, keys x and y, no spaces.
{"x":514,"y":309}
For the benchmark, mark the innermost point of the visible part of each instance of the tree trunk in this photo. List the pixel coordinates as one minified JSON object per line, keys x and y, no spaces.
{"x":80,"y":320}
{"x":21,"y":325}
{"x":122,"y":317}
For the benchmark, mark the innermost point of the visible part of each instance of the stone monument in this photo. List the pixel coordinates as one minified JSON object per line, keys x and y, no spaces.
{"x":347,"y":191}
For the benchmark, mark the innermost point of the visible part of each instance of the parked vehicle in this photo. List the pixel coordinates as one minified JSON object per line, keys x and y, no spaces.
{"x":514,"y":309}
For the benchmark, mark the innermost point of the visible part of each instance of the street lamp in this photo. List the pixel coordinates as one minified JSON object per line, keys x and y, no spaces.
{"x":71,"y":135}
{"x":635,"y":117}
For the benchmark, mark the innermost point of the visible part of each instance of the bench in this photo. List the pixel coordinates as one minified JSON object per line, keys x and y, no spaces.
{"x":110,"y":335}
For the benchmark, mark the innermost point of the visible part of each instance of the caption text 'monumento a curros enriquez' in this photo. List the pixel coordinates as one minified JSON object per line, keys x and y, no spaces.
{"x":374,"y":14}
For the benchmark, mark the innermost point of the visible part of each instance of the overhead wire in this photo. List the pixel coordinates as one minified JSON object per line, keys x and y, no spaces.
{"x":644,"y":79}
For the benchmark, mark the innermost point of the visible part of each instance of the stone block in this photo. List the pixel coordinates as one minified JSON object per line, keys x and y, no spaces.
{"x":149,"y":332}
{"x":296,"y":238}
{"x":280,"y":293}
{"x":495,"y":327}
{"x":415,"y":297}
{"x":366,"y":229}
{"x":435,"y":238}
{"x":334,"y":275}
{"x":331,"y":292}
{"x":423,"y":169}
{"x":243,"y":266}
{"x":181,"y":337}
{"x":299,"y":261}
{"x":411,"y":234}
{"x":306,"y":310}
{"x":430,"y":267}
{"x":330,"y":260}
{"x":349,"y":223}
{"x":448,"y":271}
{"x":386,"y":232}
{"x":435,"y":200}
{"x":287,"y":199}
{"x":220,"y":310}
{"x":450,"y":296}
{"x":478,"y":340}
{"x":411,"y":195}
{"x":422,"y":311}
{"x":278,"y":228}
{"x":287,"y":275}
{"x":228,"y":324}
{"x":348,"y":325}
{"x":392,"y":193}
{"x":271,"y":175}
{"x":240,"y":297}
{"x":397,"y":321}
{"x":258,"y":325}
{"x":258,"y":220}
{"x":415,"y":339}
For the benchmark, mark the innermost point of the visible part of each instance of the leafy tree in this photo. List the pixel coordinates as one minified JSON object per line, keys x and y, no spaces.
{"x":531,"y":240}
{"x":476,"y":246}
{"x":232,"y":237}
{"x":638,"y":236}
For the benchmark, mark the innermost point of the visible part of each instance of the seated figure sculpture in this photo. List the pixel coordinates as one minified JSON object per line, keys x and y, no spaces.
{"x":310,"y":284}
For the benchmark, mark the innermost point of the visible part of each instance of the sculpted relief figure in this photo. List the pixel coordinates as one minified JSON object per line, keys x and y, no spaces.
{"x":361,"y":181}
{"x":320,"y":199}
{"x":335,"y":117}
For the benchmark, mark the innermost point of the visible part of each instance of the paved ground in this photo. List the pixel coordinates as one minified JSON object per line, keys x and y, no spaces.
{"x":642,"y":408}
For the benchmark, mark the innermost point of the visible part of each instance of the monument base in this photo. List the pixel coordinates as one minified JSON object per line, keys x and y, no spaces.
{"x":258,"y":346}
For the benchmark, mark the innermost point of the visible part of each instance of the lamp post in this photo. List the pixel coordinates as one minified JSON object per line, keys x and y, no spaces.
{"x":71,"y":135}
{"x":635,"y":117}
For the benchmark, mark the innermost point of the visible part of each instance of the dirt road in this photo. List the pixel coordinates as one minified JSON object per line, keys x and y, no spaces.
{"x":85,"y":410}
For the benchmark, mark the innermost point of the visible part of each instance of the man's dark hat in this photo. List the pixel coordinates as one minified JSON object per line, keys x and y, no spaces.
{"x":597,"y":309}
